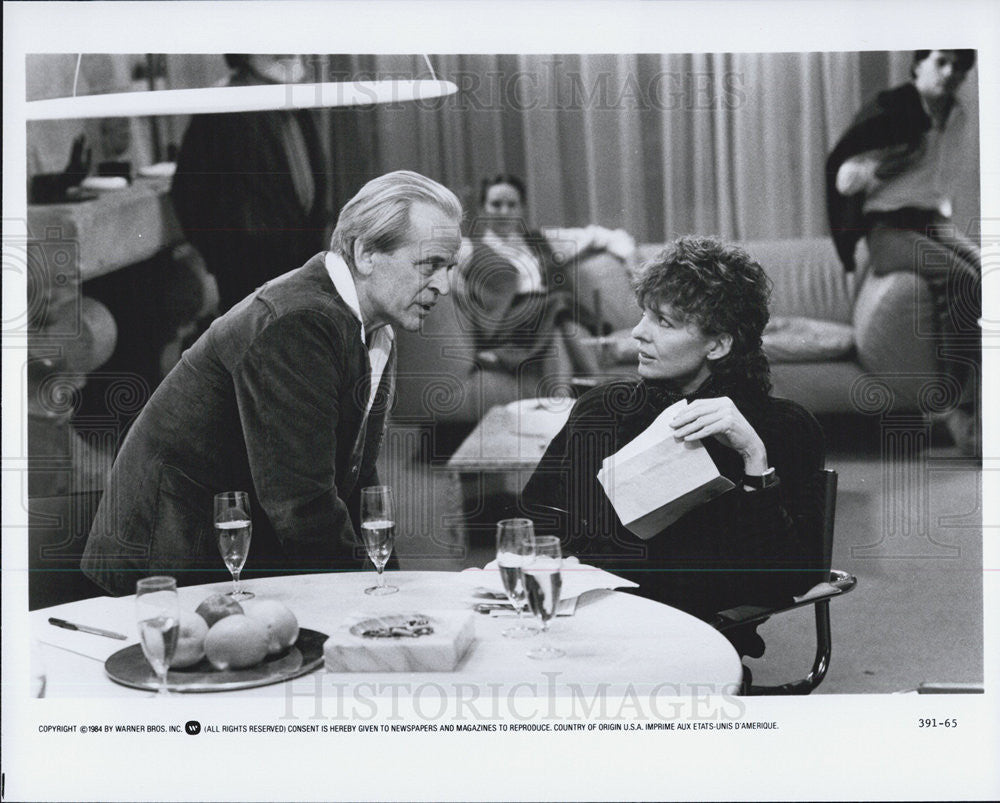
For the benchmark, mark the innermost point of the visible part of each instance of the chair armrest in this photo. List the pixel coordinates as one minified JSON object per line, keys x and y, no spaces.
{"x":840,"y":583}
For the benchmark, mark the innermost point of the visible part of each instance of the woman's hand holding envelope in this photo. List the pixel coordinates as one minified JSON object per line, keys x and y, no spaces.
{"x":721,"y":419}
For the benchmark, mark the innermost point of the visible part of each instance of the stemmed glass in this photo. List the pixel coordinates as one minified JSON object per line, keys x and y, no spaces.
{"x":233,"y":530}
{"x":515,"y":546}
{"x":378,"y":528}
{"x":542,"y":583}
{"x":158,"y":615}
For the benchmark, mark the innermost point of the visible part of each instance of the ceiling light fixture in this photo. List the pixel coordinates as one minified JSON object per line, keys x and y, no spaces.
{"x":222,"y":99}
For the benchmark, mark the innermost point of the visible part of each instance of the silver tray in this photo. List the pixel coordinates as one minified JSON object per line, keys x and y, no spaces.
{"x":129,"y":667}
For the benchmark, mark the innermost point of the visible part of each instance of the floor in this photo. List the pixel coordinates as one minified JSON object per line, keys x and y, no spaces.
{"x":908,"y":526}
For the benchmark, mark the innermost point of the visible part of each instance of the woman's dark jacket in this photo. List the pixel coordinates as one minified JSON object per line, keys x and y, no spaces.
{"x":743,"y":547}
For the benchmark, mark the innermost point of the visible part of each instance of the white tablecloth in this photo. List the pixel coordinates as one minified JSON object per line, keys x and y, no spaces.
{"x":614,"y":641}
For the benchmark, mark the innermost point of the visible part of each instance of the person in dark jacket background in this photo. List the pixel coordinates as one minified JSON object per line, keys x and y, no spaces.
{"x":285,"y":397}
{"x":704,"y":309}
{"x":890,"y":180}
{"x":251,"y":188}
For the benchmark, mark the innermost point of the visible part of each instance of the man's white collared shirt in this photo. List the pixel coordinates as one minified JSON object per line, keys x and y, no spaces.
{"x":382,"y":338}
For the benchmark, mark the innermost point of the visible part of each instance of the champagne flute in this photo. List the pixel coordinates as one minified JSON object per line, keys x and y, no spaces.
{"x":232,"y":530}
{"x":158,"y":615}
{"x":515,"y":546}
{"x":542,"y":584}
{"x":378,"y":528}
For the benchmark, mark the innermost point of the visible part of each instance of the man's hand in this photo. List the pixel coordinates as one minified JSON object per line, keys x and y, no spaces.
{"x":720,"y":419}
{"x":857,"y":175}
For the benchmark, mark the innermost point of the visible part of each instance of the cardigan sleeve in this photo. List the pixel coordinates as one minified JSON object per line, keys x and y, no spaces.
{"x":289,"y":387}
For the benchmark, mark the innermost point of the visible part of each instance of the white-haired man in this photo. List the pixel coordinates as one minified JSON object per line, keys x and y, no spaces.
{"x":284,"y":397}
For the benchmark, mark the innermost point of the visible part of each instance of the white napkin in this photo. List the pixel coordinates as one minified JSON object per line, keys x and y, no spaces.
{"x":576,"y":578}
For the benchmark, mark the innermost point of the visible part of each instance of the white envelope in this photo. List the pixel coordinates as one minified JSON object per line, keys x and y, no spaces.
{"x":655,"y":478}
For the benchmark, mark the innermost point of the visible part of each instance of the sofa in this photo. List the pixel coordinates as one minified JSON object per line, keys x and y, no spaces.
{"x":867,"y":341}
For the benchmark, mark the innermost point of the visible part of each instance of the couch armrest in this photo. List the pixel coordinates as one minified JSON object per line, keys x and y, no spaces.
{"x":603,"y":285}
{"x":895,"y":333}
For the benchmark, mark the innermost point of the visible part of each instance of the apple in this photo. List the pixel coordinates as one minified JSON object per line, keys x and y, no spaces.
{"x":282,"y":626}
{"x":190,"y":640}
{"x":216,"y":607}
{"x":236,"y":642}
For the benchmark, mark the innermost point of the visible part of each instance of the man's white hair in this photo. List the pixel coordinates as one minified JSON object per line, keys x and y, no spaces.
{"x":379,"y":215}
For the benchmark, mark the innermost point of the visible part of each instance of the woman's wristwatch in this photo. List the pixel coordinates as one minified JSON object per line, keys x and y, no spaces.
{"x":758,"y":482}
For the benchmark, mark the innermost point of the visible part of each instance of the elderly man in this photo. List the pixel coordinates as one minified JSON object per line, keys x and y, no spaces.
{"x":284,"y":397}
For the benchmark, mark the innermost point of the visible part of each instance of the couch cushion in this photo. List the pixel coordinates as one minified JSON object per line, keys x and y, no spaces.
{"x":795,"y":339}
{"x":820,"y":387}
{"x":809,"y":280}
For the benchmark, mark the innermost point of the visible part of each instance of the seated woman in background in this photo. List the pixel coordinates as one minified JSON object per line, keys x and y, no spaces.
{"x":704,"y":307}
{"x":517,"y":288}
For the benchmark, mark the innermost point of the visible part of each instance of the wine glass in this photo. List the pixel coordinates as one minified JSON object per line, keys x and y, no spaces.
{"x":158,"y":615}
{"x":232,"y":530}
{"x":542,"y":584}
{"x":515,"y":545}
{"x":378,"y":528}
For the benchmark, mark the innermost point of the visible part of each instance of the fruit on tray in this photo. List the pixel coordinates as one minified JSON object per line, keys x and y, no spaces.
{"x":236,"y":642}
{"x":216,"y":607}
{"x":234,"y":636}
{"x":282,"y":626}
{"x":190,"y":641}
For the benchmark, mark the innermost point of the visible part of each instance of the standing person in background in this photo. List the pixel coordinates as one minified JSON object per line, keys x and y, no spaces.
{"x":891,"y":179}
{"x":251,"y":187}
{"x":517,"y":287}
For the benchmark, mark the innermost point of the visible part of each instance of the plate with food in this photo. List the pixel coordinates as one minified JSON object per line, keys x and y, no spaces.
{"x":225,"y":645}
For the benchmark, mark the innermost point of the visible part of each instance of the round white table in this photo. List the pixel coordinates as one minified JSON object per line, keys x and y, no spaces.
{"x":616,"y":642}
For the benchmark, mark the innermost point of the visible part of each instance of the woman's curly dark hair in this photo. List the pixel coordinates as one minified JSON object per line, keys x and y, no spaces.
{"x":720,"y":288}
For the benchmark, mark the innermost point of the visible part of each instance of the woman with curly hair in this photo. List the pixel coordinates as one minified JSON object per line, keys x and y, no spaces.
{"x":704,"y":308}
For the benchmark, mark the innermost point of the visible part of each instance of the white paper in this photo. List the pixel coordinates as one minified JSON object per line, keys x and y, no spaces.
{"x":576,"y":578}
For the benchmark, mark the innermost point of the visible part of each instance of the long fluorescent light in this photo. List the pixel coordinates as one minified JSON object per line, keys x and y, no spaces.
{"x":221,"y":99}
